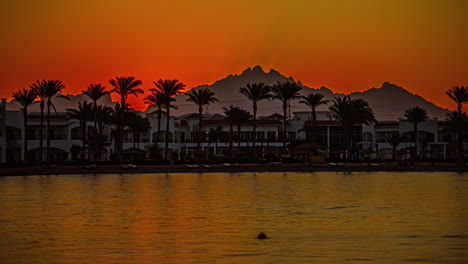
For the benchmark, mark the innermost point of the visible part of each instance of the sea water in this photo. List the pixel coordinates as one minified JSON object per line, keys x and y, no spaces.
{"x":215,"y":218}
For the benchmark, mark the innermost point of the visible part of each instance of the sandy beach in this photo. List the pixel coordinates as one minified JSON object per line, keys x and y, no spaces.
{"x":293,"y":167}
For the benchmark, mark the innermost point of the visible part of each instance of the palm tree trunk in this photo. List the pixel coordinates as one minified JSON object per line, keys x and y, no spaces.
{"x":285,"y":108}
{"x":346,"y":129}
{"x":200,"y":116}
{"x":95,"y":117}
{"x":314,"y":120}
{"x":95,"y":128}
{"x":48,"y":132}
{"x":461,"y":154}
{"x":25,"y":145}
{"x":159,"y":124}
{"x":238,"y":136}
{"x":41,"y":134}
{"x":166,"y":137}
{"x":231,"y":143}
{"x":254,"y":141}
{"x":137,"y":139}
{"x":121,"y":130}
{"x":416,"y":140}
{"x":83,"y":135}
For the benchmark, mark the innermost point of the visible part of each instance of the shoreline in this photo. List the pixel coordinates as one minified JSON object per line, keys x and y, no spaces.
{"x":145,"y":169}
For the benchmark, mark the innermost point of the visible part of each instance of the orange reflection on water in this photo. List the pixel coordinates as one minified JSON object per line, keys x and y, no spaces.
{"x":215,"y":217}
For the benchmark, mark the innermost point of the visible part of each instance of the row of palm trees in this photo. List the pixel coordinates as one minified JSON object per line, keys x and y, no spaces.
{"x":345,"y":109}
{"x":455,"y":121}
{"x":44,"y":91}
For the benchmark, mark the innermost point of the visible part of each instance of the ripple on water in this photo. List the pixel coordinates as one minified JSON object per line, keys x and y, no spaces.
{"x":185,"y":218}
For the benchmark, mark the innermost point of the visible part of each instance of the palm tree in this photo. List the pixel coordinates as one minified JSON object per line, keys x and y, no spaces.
{"x":26,"y":98}
{"x":285,"y":92}
{"x":103,"y":115}
{"x":458,"y":123}
{"x":459,"y":95}
{"x":313,"y":100}
{"x":39,"y":88}
{"x":201,"y":97}
{"x":53,"y":87}
{"x":241,"y":116}
{"x":137,"y":125}
{"x":95,"y":92}
{"x":350,"y":112}
{"x":255,"y":92}
{"x":83,"y":114}
{"x":416,"y":115}
{"x":169,"y":89}
{"x":118,"y":122}
{"x":230,"y":114}
{"x":394,"y":139}
{"x":124,"y":87}
{"x":214,"y":135}
{"x":156,"y":98}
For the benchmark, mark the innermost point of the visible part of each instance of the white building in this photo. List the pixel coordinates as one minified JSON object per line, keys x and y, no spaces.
{"x":182,"y":141}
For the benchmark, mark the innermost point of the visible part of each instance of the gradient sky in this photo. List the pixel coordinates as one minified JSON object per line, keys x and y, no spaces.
{"x":344,"y":45}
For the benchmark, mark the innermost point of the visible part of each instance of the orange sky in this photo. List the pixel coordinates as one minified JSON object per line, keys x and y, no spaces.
{"x":342,"y":44}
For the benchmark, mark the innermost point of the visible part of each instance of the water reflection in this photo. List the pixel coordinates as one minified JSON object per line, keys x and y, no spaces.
{"x":215,"y":217}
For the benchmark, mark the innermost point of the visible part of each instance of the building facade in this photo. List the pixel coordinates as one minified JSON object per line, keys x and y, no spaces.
{"x":368,"y":140}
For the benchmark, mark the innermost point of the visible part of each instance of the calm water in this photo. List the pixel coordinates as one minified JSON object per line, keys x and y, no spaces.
{"x":215,"y":217}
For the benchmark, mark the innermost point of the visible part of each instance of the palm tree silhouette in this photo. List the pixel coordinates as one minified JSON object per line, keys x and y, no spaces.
{"x":156,"y":98}
{"x":95,"y":92}
{"x":241,"y":116}
{"x":458,"y":123}
{"x":39,"y":88}
{"x":169,"y":89}
{"x":394,"y":139}
{"x":416,"y":115}
{"x":83,"y":113}
{"x":101,"y":140}
{"x":255,"y":92}
{"x":117,"y":118}
{"x":137,"y":125}
{"x":201,"y":97}
{"x":285,"y":92}
{"x":214,"y":135}
{"x":313,"y":100}
{"x":124,"y":87}
{"x":26,"y":98}
{"x":53,"y":87}
{"x":459,"y":95}
{"x":103,"y":115}
{"x":350,"y":112}
{"x":230,"y":114}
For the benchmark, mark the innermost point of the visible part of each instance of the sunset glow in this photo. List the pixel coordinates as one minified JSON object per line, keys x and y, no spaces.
{"x":346,"y":46}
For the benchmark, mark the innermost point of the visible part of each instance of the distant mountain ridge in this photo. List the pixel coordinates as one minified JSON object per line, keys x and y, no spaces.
{"x":388,"y":102}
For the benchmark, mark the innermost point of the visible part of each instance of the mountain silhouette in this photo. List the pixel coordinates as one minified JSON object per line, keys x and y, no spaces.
{"x":389,"y":102}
